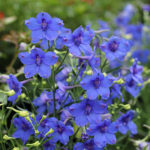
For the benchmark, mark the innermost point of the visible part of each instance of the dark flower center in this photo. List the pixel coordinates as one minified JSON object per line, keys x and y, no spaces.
{"x":44,"y":24}
{"x":25,"y":126}
{"x":43,"y":123}
{"x":131,"y":83}
{"x":113,"y":46}
{"x":96,"y":83}
{"x":89,"y":146}
{"x":15,"y":87}
{"x":38,"y":60}
{"x":78,"y":39}
{"x":88,"y":109}
{"x":60,"y":129}
{"x":135,"y":71}
{"x":125,"y":120}
{"x":103,"y":128}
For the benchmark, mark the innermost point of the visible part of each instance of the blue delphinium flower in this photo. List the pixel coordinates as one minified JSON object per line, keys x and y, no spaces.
{"x":136,"y":71}
{"x":135,"y":31}
{"x":49,"y":145}
{"x":85,"y":111}
{"x":24,"y":129}
{"x":37,"y":62}
{"x":96,"y":84}
{"x":104,"y":25}
{"x":103,"y":132}
{"x":61,"y":131}
{"x":44,"y":28}
{"x":15,"y":85}
{"x":63,"y":39}
{"x":87,"y":145}
{"x":45,"y":102}
{"x":141,"y":55}
{"x":132,"y":86}
{"x":125,"y":16}
{"x":116,"y":48}
{"x":126,"y":124}
{"x":80,"y":42}
{"x":116,"y":92}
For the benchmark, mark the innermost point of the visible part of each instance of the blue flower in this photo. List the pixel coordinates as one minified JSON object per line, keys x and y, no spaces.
{"x":24,"y":129}
{"x":103,"y":132}
{"x":88,"y":145}
{"x":126,"y":124}
{"x":61,"y":131}
{"x":45,"y":102}
{"x":80,"y":41}
{"x":104,"y":25}
{"x":95,"y":85}
{"x":38,"y":62}
{"x":15,"y":85}
{"x":63,"y":39}
{"x":141,"y":55}
{"x":116,"y":48}
{"x":135,"y":31}
{"x":49,"y":145}
{"x":44,"y":28}
{"x":131,"y":86}
{"x":136,"y":71}
{"x":85,"y":111}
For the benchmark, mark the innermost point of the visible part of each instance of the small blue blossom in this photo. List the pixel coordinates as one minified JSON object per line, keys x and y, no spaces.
{"x":37,"y":62}
{"x":103,"y":132}
{"x":15,"y":85}
{"x":80,"y":42}
{"x":87,"y":110}
{"x":136,"y":71}
{"x":132,"y":86}
{"x":49,"y":145}
{"x":88,"y":145}
{"x":126,"y":124}
{"x":24,"y":129}
{"x":61,"y":131}
{"x":96,"y":84}
{"x":116,"y":48}
{"x":141,"y":55}
{"x":44,"y":28}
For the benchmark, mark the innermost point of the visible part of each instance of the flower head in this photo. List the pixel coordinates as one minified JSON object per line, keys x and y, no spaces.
{"x":15,"y":85}
{"x":38,"y":62}
{"x":85,"y":111}
{"x":96,"y":84}
{"x":116,"y":48}
{"x":24,"y":129}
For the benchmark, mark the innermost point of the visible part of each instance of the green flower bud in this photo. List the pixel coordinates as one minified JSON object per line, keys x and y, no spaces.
{"x":104,"y":74}
{"x":69,"y":79}
{"x":127,"y":106}
{"x":85,"y":96}
{"x":23,"y":95}
{"x":120,"y":81}
{"x":49,"y":132}
{"x":35,"y":144}
{"x":89,"y":72}
{"x":6,"y":137}
{"x":36,"y":132}
{"x":10,"y":93}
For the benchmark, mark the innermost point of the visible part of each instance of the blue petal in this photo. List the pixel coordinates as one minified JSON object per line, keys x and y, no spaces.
{"x":74,"y":50}
{"x":132,"y":127}
{"x":100,"y":140}
{"x":30,"y":70}
{"x":25,"y":58}
{"x":36,"y":36}
{"x":51,"y":35}
{"x":81,"y":120}
{"x":44,"y":44}
{"x":44,"y":71}
{"x":32,"y":24}
{"x":110,"y":138}
{"x":50,"y":58}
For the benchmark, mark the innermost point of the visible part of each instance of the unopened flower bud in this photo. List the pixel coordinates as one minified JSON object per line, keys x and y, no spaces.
{"x":49,"y":132}
{"x":6,"y":137}
{"x":36,"y":144}
{"x":120,"y":81}
{"x":10,"y":93}
{"x":23,"y":95}
{"x":89,"y":72}
{"x":127,"y":106}
{"x":36,"y":132}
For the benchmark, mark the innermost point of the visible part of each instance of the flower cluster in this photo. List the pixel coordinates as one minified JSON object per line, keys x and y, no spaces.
{"x":83,"y":81}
